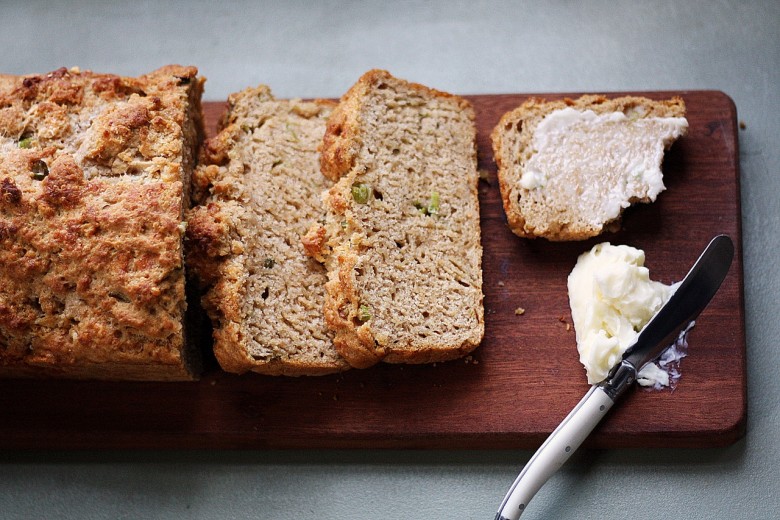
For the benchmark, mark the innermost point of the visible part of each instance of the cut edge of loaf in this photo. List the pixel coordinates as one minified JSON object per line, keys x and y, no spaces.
{"x":524,"y":119}
{"x":227,"y":214}
{"x":338,"y":243}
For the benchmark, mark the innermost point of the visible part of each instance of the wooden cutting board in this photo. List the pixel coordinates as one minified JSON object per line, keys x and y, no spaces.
{"x":513,"y":390}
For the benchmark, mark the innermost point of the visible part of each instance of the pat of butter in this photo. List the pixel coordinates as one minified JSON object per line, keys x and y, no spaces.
{"x":612,"y":297}
{"x":573,"y":147}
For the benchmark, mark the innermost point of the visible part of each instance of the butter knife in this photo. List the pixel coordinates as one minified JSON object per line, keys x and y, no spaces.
{"x":691,"y":297}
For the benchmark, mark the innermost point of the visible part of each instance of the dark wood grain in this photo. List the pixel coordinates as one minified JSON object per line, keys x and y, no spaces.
{"x":515,"y":388}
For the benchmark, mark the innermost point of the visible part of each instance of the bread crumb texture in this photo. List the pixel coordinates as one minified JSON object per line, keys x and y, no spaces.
{"x":94,"y":174}
{"x":402,"y":236}
{"x":257,"y":191}
{"x":573,"y":183}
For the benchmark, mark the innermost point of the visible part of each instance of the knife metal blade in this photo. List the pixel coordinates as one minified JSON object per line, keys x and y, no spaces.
{"x":691,"y":297}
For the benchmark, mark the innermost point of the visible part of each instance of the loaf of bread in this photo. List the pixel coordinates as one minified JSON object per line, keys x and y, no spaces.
{"x":402,"y":237}
{"x":94,"y":180}
{"x":258,"y":190}
{"x":567,"y":169}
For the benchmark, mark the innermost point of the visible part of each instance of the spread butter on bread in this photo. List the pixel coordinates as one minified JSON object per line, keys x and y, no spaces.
{"x":567,"y":169}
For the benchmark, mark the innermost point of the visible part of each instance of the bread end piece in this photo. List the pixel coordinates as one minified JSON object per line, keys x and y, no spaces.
{"x":95,"y":178}
{"x":558,"y":216}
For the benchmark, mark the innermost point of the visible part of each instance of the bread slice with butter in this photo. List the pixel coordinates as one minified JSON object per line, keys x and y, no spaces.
{"x":402,"y":236}
{"x":567,"y":169}
{"x":257,"y":191}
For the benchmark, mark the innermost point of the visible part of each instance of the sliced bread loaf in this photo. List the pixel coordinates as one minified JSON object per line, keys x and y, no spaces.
{"x":94,"y":179}
{"x":257,"y":191}
{"x":567,"y":169}
{"x":402,"y":237}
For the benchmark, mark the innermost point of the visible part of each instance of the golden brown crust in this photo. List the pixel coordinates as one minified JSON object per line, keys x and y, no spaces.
{"x":342,"y":137}
{"x":353,"y":339}
{"x":315,"y":242}
{"x":209,"y":249}
{"x":94,"y":173}
{"x":524,"y":119}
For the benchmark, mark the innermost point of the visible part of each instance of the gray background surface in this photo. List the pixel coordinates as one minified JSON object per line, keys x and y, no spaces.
{"x":310,"y":49}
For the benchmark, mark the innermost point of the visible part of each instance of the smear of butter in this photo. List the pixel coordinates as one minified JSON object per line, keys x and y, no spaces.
{"x":620,"y":151}
{"x":612,"y":297}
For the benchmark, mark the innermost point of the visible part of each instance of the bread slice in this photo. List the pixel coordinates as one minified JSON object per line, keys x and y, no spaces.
{"x":567,"y":169}
{"x":402,"y":238}
{"x":258,"y":188}
{"x":94,"y":180}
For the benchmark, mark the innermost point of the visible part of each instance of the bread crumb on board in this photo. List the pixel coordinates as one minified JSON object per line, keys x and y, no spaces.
{"x":562,"y":319}
{"x":470,"y":360}
{"x":484,"y":175}
{"x":519,"y":311}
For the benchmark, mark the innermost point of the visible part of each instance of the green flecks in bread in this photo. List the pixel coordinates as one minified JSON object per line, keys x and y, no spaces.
{"x":402,"y":237}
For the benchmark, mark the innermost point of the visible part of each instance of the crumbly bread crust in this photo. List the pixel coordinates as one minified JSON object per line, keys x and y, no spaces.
{"x":94,"y":179}
{"x":402,"y":237}
{"x":258,"y":190}
{"x":512,"y":137}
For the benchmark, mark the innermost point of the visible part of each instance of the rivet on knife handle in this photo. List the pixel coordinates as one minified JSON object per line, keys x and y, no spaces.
{"x":556,"y":450}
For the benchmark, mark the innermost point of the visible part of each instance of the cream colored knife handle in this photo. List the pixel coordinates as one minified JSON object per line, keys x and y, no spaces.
{"x":556,"y":450}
